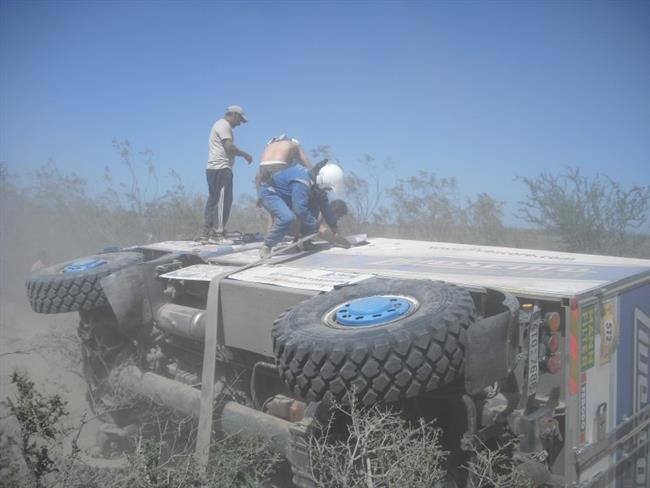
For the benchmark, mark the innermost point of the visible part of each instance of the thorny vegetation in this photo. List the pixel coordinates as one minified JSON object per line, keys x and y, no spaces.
{"x":592,"y":215}
{"x":38,"y":452}
{"x":376,"y":448}
{"x":496,"y":468}
{"x":39,"y":419}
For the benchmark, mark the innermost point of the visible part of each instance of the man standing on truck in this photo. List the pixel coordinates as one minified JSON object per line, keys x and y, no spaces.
{"x":296,"y":193}
{"x":221,"y":158}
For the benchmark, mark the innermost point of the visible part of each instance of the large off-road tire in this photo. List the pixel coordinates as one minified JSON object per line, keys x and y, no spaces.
{"x":61,"y":289}
{"x":395,"y":358}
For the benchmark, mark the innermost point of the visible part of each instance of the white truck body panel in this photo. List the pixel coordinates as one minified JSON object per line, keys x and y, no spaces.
{"x":519,"y":271}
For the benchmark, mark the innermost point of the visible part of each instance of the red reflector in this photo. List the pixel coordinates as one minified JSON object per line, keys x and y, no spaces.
{"x":553,"y":364}
{"x":573,"y":303}
{"x":553,"y":343}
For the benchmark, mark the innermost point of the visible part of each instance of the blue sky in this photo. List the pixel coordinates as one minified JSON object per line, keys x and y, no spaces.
{"x":483,"y":91}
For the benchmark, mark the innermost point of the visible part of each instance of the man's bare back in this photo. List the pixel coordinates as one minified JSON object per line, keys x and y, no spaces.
{"x":286,"y":151}
{"x":279,"y":154}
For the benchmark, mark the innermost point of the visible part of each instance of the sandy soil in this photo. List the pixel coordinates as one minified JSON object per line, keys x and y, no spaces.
{"x":45,"y":347}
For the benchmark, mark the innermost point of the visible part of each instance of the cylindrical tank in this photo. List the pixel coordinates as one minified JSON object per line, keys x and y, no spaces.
{"x":182,"y":321}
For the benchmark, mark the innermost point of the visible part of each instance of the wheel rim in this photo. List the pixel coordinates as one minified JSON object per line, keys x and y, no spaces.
{"x":372,"y":311}
{"x":83,"y":265}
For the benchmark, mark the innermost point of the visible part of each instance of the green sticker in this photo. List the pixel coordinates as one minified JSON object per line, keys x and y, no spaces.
{"x":587,"y":335}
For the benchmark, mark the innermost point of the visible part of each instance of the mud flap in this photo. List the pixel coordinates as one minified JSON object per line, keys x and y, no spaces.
{"x":134,"y":293}
{"x":125,"y":292}
{"x":490,"y":353}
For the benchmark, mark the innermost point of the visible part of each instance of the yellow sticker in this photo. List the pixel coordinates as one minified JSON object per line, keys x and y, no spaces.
{"x":608,"y":332}
{"x":587,"y":337}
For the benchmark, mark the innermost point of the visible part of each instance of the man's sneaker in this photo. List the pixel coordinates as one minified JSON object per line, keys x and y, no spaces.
{"x":217,"y":241}
{"x":265,"y":252}
{"x":206,"y":233}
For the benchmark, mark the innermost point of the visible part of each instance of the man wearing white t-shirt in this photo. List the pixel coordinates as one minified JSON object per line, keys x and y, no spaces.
{"x":221,"y":158}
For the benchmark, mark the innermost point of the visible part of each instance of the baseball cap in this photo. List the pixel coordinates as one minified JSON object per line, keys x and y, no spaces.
{"x":238,"y":110}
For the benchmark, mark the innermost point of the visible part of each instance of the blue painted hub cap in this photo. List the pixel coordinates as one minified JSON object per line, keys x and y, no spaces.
{"x":370,"y":311}
{"x":83,"y":265}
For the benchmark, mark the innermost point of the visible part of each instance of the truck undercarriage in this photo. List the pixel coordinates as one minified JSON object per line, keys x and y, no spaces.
{"x":271,"y":360}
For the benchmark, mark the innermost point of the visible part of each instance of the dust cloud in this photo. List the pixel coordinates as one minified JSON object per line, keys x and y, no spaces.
{"x":44,"y":346}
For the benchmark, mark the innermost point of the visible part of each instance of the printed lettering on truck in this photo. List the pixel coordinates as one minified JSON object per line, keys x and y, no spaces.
{"x":633,"y":374}
{"x":642,"y":353}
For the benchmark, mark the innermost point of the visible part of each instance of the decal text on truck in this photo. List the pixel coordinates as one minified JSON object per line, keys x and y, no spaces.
{"x":641,"y":376}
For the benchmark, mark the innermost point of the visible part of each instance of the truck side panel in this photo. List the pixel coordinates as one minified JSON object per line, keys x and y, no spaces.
{"x":633,"y":378}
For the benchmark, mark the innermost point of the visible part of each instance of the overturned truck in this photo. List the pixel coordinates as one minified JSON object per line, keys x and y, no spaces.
{"x":551,"y":348}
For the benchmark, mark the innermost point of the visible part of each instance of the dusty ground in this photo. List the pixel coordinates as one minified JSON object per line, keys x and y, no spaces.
{"x":44,"y":346}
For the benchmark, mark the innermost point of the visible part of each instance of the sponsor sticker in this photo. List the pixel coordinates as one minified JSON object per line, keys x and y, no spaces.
{"x":609,"y":332}
{"x":587,"y":337}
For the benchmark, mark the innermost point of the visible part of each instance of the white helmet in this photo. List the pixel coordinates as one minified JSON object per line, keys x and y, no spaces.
{"x":330,"y":177}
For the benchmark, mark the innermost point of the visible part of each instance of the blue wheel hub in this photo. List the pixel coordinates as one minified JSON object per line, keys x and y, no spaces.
{"x":83,"y":265}
{"x":372,"y":311}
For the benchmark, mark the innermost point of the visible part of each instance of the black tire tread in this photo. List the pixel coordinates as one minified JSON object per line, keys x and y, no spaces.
{"x":50,"y":291}
{"x":409,"y":364}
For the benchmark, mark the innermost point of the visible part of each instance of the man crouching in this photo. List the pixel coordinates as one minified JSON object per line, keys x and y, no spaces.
{"x":293,"y":192}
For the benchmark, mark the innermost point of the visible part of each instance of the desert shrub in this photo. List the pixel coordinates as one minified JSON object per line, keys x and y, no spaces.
{"x":39,"y":418}
{"x":377,"y":448}
{"x":241,"y":462}
{"x":162,"y":457}
{"x":591,"y":215}
{"x":427,"y":207}
{"x":483,"y":221}
{"x":496,"y":468}
{"x":233,"y":462}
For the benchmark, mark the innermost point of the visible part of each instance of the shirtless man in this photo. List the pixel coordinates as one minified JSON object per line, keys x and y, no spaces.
{"x":280,"y":153}
{"x":297,"y":195}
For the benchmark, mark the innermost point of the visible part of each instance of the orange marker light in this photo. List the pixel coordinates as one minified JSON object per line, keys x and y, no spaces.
{"x":553,"y":321}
